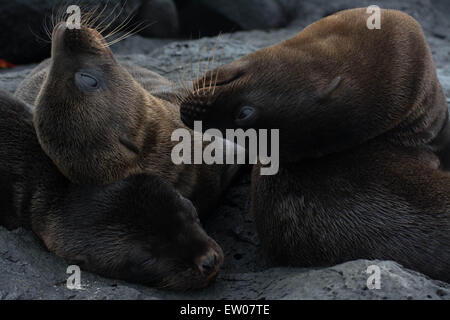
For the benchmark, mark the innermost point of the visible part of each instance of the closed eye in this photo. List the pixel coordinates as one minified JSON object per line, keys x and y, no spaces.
{"x":129,"y":145}
{"x":86,"y":81}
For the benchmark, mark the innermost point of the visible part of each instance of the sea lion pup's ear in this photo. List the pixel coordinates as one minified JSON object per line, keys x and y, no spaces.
{"x":334,"y":84}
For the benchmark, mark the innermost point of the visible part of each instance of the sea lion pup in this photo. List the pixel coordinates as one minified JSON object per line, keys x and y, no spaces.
{"x":362,"y":120}
{"x":139,"y":229}
{"x":99,"y":124}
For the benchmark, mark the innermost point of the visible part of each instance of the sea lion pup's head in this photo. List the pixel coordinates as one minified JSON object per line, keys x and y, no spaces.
{"x":90,"y":110}
{"x":139,"y":229}
{"x":334,"y":85}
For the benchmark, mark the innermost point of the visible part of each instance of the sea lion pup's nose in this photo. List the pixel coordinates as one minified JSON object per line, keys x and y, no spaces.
{"x":68,"y":40}
{"x":190,"y":112}
{"x":58,"y":29}
{"x":61,"y":26}
{"x":209,"y":264}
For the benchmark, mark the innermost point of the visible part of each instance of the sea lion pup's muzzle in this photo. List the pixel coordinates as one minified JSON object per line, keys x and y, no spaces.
{"x":81,"y":40}
{"x":89,"y":112}
{"x":211,"y":99}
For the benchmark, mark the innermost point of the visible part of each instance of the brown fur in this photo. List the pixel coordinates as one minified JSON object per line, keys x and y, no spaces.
{"x":363,"y":124}
{"x":122,"y":128}
{"x":137,"y":229}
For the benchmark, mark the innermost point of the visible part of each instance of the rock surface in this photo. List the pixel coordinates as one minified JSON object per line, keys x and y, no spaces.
{"x":247,"y":14}
{"x":23,"y":24}
{"x":28,"y":271}
{"x":162,"y":17}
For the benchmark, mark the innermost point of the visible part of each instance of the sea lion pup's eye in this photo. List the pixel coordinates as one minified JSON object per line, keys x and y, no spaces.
{"x":86,"y":81}
{"x":245,"y":116}
{"x":128,"y":144}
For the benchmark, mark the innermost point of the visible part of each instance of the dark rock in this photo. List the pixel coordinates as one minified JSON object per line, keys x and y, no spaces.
{"x":203,"y":17}
{"x":249,"y":14}
{"x":161,"y":17}
{"x":431,"y":14}
{"x":23,"y":22}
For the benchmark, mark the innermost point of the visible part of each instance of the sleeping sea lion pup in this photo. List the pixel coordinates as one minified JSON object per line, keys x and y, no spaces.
{"x":99,"y":124}
{"x":139,"y":229}
{"x":363,"y":126}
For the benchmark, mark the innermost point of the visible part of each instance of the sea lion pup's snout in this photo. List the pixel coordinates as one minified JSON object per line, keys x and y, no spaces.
{"x":83,"y":40}
{"x":90,"y":111}
{"x":210,"y":101}
{"x":168,"y":248}
{"x":182,"y":255}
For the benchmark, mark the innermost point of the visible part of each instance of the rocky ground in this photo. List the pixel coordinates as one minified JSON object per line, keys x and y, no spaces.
{"x":28,"y":271}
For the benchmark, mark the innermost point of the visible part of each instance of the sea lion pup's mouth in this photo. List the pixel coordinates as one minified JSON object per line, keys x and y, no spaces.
{"x":90,"y":112}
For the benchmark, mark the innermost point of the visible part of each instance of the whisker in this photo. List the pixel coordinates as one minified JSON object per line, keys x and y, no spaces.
{"x":89,"y":16}
{"x":199,"y":71}
{"x":101,"y":28}
{"x":138,"y":28}
{"x":121,"y":26}
{"x":39,"y":37}
{"x":207,"y":68}
{"x":186,"y":90}
{"x":91,"y":23}
{"x":214,"y":56}
{"x":217,"y":74}
{"x":46,"y":29}
{"x":192,"y":76}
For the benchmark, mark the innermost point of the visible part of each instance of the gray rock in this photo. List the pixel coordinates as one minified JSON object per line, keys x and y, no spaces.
{"x":139,"y":45}
{"x":9,"y":79}
{"x":430,"y":13}
{"x":28,"y":271}
{"x":444,"y":79}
